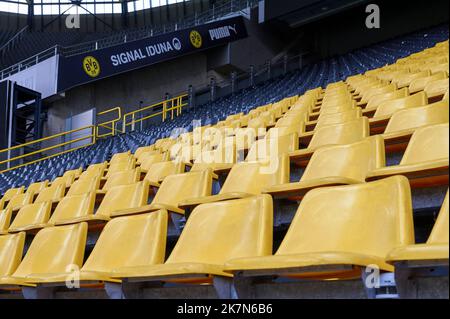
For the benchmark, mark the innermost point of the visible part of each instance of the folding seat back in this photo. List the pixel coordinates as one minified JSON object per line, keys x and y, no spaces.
{"x":11,"y":250}
{"x":5,"y":220}
{"x":435,"y":113}
{"x":237,"y":228}
{"x":376,"y":100}
{"x":435,"y":88}
{"x":286,"y":130}
{"x":83,"y":186}
{"x":439,"y":234}
{"x":37,"y":187}
{"x":129,"y":241}
{"x":20,"y":200}
{"x":124,"y":197}
{"x":54,"y":250}
{"x":93,"y":171}
{"x":273,"y":146}
{"x":177,"y":188}
{"x":420,"y":84}
{"x":30,"y":215}
{"x":66,"y":181}
{"x":121,"y":166}
{"x":75,"y":172}
{"x":120,"y":157}
{"x":223,"y":156}
{"x":347,"y":221}
{"x":153,"y":158}
{"x":443,"y":67}
{"x":253,"y":177}
{"x":145,"y":155}
{"x":143,"y":149}
{"x":74,"y":206}
{"x":338,"y":109}
{"x":123,"y":178}
{"x":429,"y":143}
{"x":379,"y":90}
{"x":53,"y":194}
{"x":337,"y":118}
{"x":405,"y":80}
{"x":389,"y":107}
{"x":344,"y":133}
{"x":352,"y":161}
{"x":158,"y":171}
{"x":10,"y":193}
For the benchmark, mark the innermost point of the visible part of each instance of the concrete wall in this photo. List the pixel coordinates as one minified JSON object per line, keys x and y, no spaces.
{"x":126,"y":90}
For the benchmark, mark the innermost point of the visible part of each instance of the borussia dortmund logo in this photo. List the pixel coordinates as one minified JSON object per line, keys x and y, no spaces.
{"x":91,"y":66}
{"x":196,"y":39}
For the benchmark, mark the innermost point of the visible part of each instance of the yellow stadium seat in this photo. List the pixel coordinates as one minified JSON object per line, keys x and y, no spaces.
{"x":335,"y":165}
{"x":5,"y":220}
{"x":174,"y":190}
{"x":274,"y":145}
{"x":75,"y":172}
{"x":143,"y":149}
{"x":329,"y":238}
{"x":116,"y":199}
{"x":9,"y":194}
{"x":73,"y":207}
{"x":158,"y":171}
{"x":344,"y":133}
{"x":420,"y":84}
{"x":247,"y":179}
{"x":11,"y":250}
{"x":405,"y":122}
{"x":37,"y":187}
{"x":84,"y":185}
{"x":152,"y":159}
{"x":425,"y":161}
{"x":375,"y":91}
{"x":387,"y":108}
{"x":53,"y":250}
{"x":66,"y":181}
{"x":31,"y":217}
{"x":121,"y":166}
{"x":120,"y":157}
{"x":405,"y":79}
{"x":124,"y":242}
{"x":423,"y":260}
{"x":378,"y":99}
{"x":336,"y":118}
{"x":51,"y":194}
{"x":242,"y":228}
{"x":436,"y":89}
{"x":121,"y":178}
{"x":20,"y":200}
{"x":219,"y":160}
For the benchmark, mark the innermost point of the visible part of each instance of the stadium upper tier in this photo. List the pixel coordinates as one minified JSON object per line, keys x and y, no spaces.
{"x":368,"y":134}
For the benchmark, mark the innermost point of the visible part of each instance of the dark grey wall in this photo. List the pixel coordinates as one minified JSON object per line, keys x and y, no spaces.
{"x":344,"y":32}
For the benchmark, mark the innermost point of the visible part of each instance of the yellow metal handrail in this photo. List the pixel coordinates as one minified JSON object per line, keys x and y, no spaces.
{"x":174,"y":106}
{"x":91,"y":136}
{"x":110,"y":122}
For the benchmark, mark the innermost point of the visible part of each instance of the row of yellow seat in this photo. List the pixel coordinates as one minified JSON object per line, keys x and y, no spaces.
{"x":327,"y":131}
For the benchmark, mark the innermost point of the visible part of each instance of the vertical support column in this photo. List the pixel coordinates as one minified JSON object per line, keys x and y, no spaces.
{"x":252,"y":76}
{"x":191,"y":96}
{"x":233,"y":82}
{"x":213,"y":88}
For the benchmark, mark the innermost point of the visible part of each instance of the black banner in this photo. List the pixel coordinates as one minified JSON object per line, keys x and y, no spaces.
{"x":96,"y":65}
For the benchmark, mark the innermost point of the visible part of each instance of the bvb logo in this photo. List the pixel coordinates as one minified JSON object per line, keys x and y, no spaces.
{"x":196,"y":39}
{"x":91,"y":66}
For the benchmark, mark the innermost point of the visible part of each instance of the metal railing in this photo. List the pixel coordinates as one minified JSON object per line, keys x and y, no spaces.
{"x":233,"y":7}
{"x":173,"y":106}
{"x":110,"y":125}
{"x":21,"y":149}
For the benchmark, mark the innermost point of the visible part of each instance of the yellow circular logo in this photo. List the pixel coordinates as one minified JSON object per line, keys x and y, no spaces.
{"x":196,"y":39}
{"x":91,"y":66}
